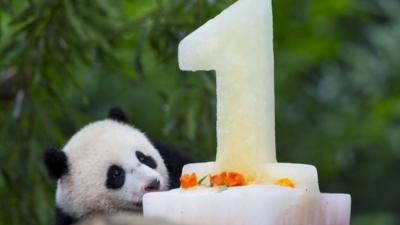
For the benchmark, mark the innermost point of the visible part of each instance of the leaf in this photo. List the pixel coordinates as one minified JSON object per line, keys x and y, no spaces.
{"x":25,"y":16}
{"x":74,"y":20}
{"x":202,"y":179}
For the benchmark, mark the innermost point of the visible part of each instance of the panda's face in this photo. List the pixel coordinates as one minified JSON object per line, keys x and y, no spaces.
{"x":110,"y":167}
{"x":129,"y":181}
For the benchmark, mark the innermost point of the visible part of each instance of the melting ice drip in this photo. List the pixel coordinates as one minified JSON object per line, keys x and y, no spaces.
{"x":238,"y":45}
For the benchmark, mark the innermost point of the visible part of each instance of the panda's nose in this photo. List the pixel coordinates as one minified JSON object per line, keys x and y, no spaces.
{"x":154,"y":185}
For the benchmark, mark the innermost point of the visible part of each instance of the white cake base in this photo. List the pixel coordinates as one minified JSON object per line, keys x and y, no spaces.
{"x":266,"y":204}
{"x":248,"y":205}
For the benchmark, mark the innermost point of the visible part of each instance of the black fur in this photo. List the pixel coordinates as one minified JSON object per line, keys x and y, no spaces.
{"x":174,"y":160}
{"x":117,"y":114}
{"x":62,"y":218}
{"x":147,"y":160}
{"x":56,"y":163}
{"x":115,"y":177}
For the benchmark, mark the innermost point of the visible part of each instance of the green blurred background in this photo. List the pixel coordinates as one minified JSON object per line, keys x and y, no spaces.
{"x":63,"y":63}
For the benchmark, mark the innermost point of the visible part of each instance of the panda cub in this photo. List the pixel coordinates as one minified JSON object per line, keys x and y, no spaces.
{"x":107,"y":167}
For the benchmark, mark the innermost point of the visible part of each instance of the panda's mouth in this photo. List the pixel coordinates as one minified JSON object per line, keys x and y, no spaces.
{"x":139,"y":204}
{"x":150,"y":191}
{"x":153,"y":186}
{"x":136,"y":201}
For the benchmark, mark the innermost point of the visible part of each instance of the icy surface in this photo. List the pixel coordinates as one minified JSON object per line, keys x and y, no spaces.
{"x":238,"y":45}
{"x":304,"y":176}
{"x":253,"y":204}
{"x":250,"y":205}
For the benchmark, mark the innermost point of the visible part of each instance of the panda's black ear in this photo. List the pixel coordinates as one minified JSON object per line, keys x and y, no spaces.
{"x":56,"y":163}
{"x":117,"y":114}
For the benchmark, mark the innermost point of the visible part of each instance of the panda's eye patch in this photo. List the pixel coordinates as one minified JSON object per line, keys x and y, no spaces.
{"x":147,"y":160}
{"x":115,"y":177}
{"x":116,"y":173}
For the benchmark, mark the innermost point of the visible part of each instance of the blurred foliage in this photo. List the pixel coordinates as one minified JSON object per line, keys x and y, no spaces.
{"x":64,"y":63}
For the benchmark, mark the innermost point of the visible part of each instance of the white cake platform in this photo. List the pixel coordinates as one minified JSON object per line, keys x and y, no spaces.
{"x":248,"y":205}
{"x":251,"y":204}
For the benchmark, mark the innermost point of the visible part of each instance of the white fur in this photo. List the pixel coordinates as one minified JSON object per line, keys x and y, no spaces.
{"x":90,"y":153}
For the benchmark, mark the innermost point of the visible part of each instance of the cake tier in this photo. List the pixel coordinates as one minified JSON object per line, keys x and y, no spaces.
{"x":266,"y":204}
{"x":304,"y":176}
{"x":250,"y":205}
